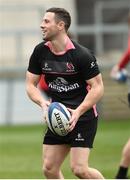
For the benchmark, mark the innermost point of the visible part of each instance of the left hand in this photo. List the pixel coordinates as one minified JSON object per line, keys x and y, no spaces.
{"x":74,"y":118}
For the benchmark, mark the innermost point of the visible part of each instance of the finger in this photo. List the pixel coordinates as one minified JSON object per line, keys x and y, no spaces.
{"x":71,"y":127}
{"x":70,"y":110}
{"x":50,"y":100}
{"x":48,"y":103}
{"x":45,"y":110}
{"x":45,"y":113}
{"x":44,"y":120}
{"x":70,"y":121}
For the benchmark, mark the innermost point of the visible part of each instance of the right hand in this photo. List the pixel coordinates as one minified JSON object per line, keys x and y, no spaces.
{"x":74,"y":118}
{"x":45,"y":106}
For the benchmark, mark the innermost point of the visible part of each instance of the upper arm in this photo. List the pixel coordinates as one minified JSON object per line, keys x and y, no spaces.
{"x":32,"y":79}
{"x":88,"y":66}
{"x":95,"y":81}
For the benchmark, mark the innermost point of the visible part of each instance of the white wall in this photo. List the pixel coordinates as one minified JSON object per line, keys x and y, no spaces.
{"x":20,"y":27}
{"x":15,"y":106}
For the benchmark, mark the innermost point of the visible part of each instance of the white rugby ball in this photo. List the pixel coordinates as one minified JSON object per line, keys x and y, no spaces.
{"x":58,"y":118}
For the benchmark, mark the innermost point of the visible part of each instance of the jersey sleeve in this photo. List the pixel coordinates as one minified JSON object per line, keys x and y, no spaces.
{"x":34,"y":62}
{"x":88,"y":66}
{"x":125,"y":59}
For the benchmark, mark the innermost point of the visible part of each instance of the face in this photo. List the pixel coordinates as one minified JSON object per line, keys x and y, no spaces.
{"x":49,"y":27}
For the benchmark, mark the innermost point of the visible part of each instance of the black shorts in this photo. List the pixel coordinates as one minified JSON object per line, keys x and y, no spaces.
{"x":81,"y":136}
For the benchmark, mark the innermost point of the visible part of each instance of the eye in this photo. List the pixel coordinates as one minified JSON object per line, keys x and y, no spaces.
{"x":46,"y":21}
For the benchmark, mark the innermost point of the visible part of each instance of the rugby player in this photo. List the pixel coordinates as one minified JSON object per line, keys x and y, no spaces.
{"x":68,"y":68}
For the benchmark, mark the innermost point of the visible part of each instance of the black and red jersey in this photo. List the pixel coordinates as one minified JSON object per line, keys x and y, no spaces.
{"x":65,"y":73}
{"x":126,"y":57}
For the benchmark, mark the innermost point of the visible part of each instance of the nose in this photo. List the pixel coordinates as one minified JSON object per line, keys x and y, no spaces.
{"x":42,"y":25}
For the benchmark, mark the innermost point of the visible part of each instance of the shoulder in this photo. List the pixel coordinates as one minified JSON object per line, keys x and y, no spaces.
{"x":83,"y":54}
{"x":81,"y":50}
{"x":39,"y":50}
{"x":41,"y":46}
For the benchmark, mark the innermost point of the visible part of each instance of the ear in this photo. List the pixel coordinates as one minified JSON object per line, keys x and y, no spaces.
{"x":61,"y":25}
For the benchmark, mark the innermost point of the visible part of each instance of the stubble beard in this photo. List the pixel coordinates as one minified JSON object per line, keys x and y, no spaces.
{"x":50,"y":38}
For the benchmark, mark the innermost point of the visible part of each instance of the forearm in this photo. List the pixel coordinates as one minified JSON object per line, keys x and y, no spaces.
{"x":93,"y":96}
{"x":35,"y":95}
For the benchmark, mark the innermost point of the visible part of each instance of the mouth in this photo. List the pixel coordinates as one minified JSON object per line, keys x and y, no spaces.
{"x":44,"y":32}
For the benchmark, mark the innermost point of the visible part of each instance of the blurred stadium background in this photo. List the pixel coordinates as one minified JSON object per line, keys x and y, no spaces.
{"x":100,"y":25}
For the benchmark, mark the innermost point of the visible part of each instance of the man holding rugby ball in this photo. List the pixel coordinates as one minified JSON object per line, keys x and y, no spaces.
{"x":73,"y":79}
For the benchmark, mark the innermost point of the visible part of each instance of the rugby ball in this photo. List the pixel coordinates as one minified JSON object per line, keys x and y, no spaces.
{"x":58,"y":118}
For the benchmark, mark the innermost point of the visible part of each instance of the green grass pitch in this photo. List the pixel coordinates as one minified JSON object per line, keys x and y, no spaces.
{"x":21,"y":150}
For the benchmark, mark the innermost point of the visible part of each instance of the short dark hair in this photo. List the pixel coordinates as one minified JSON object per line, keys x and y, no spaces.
{"x":61,"y":14}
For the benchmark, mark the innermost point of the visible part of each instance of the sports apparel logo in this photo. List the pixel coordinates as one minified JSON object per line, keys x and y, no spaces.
{"x":61,"y":85}
{"x":46,"y":67}
{"x":70,"y":67}
{"x":92,"y":64}
{"x":60,"y":81}
{"x":79,"y":137}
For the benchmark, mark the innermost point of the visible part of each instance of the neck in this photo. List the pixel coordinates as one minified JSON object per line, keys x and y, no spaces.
{"x":59,"y":44}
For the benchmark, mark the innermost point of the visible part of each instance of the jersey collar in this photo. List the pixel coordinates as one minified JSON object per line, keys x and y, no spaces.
{"x":69,"y":46}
